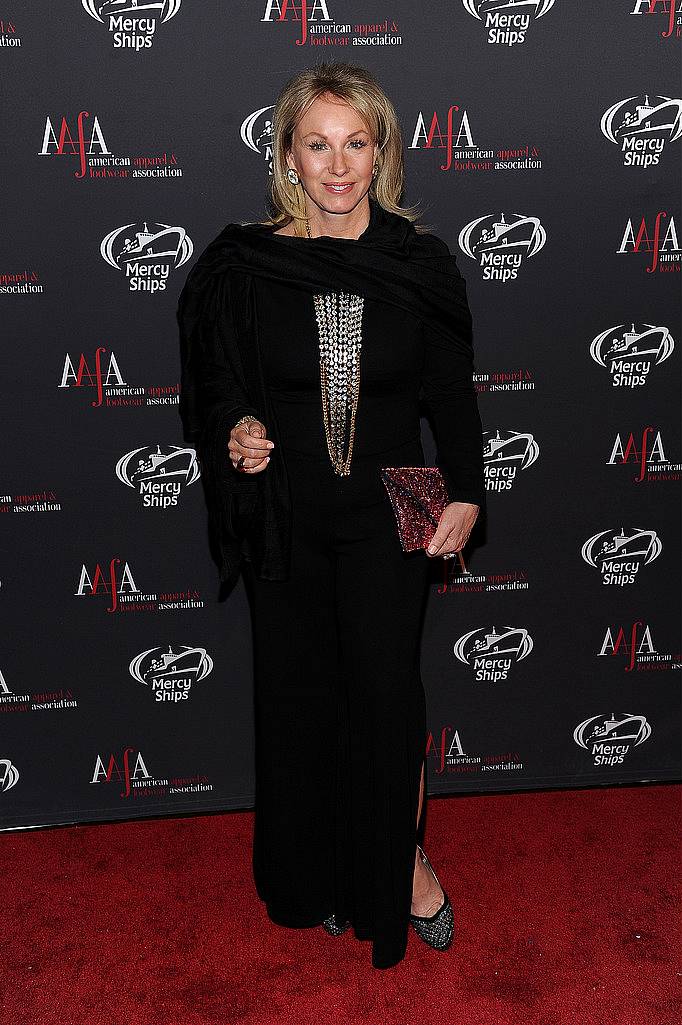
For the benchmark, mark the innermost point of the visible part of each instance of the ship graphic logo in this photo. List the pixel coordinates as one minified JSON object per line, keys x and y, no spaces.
{"x":629,"y":354}
{"x":510,"y":447}
{"x":9,"y":775}
{"x":609,"y":738}
{"x":148,"y":464}
{"x":169,"y":673}
{"x":480,"y":9}
{"x":637,"y":118}
{"x":164,"y":243}
{"x":160,"y":10}
{"x":510,"y":642}
{"x":513,"y":234}
{"x":256,"y":133}
{"x":634,"y":546}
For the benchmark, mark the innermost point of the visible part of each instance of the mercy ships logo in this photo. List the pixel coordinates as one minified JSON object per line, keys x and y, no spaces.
{"x":147,"y":256}
{"x":618,"y":557}
{"x":642,"y":129}
{"x":169,"y":674}
{"x":500,"y":246}
{"x":158,"y":476}
{"x":507,"y":21}
{"x":492,"y":654}
{"x":610,"y":739}
{"x":256,"y":133}
{"x":630,"y":355}
{"x":9,"y":775}
{"x":504,"y":453}
{"x":132,"y":23}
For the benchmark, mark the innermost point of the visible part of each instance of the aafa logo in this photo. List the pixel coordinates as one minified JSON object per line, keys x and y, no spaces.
{"x":635,"y":643}
{"x":448,"y":755}
{"x":646,"y":452}
{"x":76,"y":373}
{"x":80,"y":146}
{"x":128,"y":774}
{"x":280,"y":10}
{"x":669,"y":9}
{"x":664,"y":247}
{"x":110,"y":585}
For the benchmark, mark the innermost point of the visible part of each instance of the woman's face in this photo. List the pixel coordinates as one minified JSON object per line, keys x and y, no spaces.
{"x":332,"y":145}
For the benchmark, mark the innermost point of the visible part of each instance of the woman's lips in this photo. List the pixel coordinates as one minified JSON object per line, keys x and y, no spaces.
{"x":339,"y":190}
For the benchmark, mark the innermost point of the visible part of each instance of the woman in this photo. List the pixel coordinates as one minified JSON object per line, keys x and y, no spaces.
{"x":307,"y":342}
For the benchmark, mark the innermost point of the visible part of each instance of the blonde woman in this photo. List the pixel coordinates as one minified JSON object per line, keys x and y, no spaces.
{"x":308,"y":341}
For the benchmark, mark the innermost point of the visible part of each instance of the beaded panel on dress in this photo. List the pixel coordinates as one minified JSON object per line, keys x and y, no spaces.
{"x":339,"y":324}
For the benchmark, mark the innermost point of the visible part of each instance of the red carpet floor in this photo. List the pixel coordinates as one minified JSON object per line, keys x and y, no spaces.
{"x":567,"y":907}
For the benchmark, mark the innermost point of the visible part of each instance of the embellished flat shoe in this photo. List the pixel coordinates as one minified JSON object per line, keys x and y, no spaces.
{"x":437,"y":929}
{"x":332,"y":926}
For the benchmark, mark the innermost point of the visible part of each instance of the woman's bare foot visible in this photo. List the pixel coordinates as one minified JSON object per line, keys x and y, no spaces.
{"x":427,"y":895}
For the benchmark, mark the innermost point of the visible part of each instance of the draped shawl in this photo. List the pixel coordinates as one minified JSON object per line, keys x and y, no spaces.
{"x":221,"y":376}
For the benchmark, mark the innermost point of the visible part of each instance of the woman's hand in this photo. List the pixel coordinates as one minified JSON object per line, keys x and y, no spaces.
{"x":249,"y":440}
{"x":454,"y":527}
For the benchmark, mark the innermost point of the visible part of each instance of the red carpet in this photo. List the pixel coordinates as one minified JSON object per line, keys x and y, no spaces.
{"x":567,"y":907}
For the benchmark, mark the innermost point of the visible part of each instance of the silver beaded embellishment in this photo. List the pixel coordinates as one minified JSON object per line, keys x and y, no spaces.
{"x":339,"y":324}
{"x":332,"y":926}
{"x":438,"y":929}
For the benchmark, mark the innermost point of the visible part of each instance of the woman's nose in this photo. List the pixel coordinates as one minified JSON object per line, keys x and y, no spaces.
{"x":339,"y":165}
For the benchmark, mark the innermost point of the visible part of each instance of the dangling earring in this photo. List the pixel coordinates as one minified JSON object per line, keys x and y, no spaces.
{"x":292,"y":175}
{"x":375,"y":170}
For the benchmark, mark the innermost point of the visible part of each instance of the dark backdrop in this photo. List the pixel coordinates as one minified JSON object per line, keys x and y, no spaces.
{"x":552,"y":129}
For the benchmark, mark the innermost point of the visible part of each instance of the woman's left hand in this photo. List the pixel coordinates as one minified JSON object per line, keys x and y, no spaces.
{"x":454,"y":527}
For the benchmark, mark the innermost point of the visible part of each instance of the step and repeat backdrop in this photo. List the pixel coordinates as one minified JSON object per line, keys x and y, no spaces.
{"x":542,"y":140}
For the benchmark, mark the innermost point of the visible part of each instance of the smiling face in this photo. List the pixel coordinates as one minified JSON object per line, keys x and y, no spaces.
{"x":332,"y":147}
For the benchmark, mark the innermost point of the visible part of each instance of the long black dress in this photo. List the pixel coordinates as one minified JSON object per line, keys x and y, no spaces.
{"x":339,"y":701}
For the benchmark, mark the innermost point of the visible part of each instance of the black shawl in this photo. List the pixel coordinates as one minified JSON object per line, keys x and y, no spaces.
{"x":221,"y":376}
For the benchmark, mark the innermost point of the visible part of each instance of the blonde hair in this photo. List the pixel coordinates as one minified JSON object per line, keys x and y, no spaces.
{"x":359,"y":88}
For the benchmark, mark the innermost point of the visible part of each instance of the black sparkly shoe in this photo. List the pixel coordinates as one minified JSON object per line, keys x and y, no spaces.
{"x":332,"y":926}
{"x":438,"y":929}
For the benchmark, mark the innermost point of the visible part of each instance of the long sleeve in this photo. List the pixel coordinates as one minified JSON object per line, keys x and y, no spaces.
{"x":211,"y":399}
{"x":450,"y":396}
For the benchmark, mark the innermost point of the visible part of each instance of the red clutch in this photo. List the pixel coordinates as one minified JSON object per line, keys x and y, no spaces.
{"x":418,"y":495}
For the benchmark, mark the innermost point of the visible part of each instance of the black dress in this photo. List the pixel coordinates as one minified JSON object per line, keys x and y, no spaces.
{"x":339,"y":703}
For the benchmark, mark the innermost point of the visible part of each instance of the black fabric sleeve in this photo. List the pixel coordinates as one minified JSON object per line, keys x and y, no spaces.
{"x":212,"y":401}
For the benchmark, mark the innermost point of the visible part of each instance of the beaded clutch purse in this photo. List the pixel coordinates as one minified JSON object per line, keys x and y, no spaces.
{"x":418,"y":495}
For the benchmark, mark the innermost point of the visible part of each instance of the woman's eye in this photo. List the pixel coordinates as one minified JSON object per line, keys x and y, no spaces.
{"x":357,"y":143}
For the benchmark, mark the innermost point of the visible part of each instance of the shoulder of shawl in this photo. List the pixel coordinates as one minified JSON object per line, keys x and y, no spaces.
{"x":433,"y":243}
{"x":434,"y":253}
{"x":210,"y":268}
